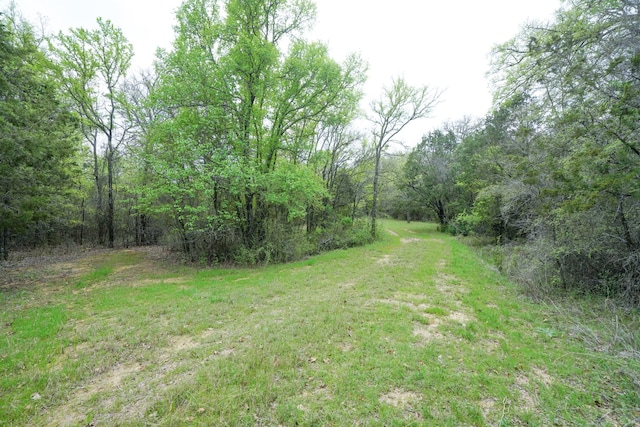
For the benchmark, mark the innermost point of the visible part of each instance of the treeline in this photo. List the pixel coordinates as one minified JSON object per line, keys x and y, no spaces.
{"x":239,"y":146}
{"x":552,"y":175}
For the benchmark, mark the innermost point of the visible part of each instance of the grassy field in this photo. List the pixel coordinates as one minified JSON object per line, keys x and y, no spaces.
{"x":412,"y":330}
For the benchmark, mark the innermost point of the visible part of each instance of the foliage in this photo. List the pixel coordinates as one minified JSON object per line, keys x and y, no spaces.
{"x":91,"y":67}
{"x":399,"y":105}
{"x":233,"y":155}
{"x":429,"y":174}
{"x":242,"y":145}
{"x":555,"y":166}
{"x":38,"y":140}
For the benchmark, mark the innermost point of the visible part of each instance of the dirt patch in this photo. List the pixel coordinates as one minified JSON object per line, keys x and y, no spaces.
{"x":436,"y":241}
{"x":400,"y":399}
{"x":72,"y":352}
{"x":393,"y":233}
{"x":225,"y":353}
{"x":108,"y":381}
{"x":542,"y":377}
{"x":174,"y":280}
{"x":489,"y":345}
{"x":38,"y":268}
{"x":385,"y":260}
{"x":428,"y":332}
{"x":348,"y":285}
{"x":488,"y":406}
{"x":450,"y":286}
{"x":71,"y":413}
{"x":404,"y":400}
{"x":180,"y":343}
{"x":319,"y":392}
{"x":125,"y":268}
{"x":345,"y":347}
{"x":76,"y":351}
{"x":135,"y":384}
{"x":527,"y":400}
{"x":409,"y":305}
{"x":408,"y":240}
{"x":152,"y":282}
{"x":459,"y":317}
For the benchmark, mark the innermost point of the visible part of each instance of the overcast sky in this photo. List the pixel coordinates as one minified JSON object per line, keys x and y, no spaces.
{"x":439,"y":43}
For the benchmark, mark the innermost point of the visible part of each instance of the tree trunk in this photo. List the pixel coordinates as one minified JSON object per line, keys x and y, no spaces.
{"x":310,"y":219}
{"x":4,"y":244}
{"x":110,"y":202}
{"x":442,"y":216}
{"x":143,"y":230}
{"x":628,"y":238}
{"x":99,"y":208}
{"x":374,"y":203}
{"x":82,"y":207}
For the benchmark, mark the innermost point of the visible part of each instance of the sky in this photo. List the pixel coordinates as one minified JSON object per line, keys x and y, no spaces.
{"x":444,"y":44}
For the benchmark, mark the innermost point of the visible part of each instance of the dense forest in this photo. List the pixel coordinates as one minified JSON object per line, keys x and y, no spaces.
{"x":241,"y":144}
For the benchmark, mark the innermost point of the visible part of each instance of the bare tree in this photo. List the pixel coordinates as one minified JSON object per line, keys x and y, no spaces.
{"x":398,"y":106}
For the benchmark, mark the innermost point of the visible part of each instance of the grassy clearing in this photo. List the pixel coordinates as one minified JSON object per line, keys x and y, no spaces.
{"x":413,"y":330}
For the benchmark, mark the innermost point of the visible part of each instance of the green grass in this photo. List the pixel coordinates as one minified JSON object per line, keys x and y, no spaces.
{"x":412,"y":330}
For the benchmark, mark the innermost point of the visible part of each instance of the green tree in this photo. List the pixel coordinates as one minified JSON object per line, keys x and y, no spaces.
{"x":92,"y":65}
{"x":142,"y":112}
{"x":243,"y":94}
{"x":38,"y":136}
{"x":429,"y":174}
{"x":577,"y":161}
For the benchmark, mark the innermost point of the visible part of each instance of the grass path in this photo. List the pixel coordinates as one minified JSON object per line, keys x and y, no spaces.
{"x":413,"y":330}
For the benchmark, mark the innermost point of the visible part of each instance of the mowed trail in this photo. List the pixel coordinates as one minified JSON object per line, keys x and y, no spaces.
{"x":379,"y":277}
{"x":411,"y":329}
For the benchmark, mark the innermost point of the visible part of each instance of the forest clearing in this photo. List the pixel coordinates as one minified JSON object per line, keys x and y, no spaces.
{"x":414,"y":329}
{"x":215,"y":239}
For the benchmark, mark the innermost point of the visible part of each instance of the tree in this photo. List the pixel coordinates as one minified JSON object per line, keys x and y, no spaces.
{"x":92,"y":64}
{"x":38,"y":136}
{"x":398,"y":106}
{"x":568,"y":151}
{"x":142,"y":113}
{"x":429,"y":174}
{"x":243,"y":94}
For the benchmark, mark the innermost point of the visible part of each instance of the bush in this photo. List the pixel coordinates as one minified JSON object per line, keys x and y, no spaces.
{"x":574,"y":252}
{"x":342,"y":235}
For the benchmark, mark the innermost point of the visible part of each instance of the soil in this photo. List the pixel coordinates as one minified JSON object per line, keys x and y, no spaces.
{"x":33,"y":268}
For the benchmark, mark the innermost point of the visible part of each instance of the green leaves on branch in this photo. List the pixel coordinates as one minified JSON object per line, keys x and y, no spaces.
{"x":294,"y":189}
{"x":243,"y":95}
{"x":38,"y":137}
{"x":557,"y":164}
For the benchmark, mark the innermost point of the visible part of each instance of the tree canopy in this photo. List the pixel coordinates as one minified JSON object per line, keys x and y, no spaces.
{"x":38,"y":137}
